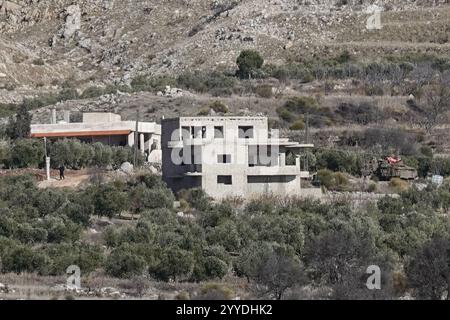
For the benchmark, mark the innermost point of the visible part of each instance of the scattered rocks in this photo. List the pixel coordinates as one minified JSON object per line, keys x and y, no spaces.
{"x":170,"y":92}
{"x":105,"y":292}
{"x":4,"y":288}
{"x":111,"y":293}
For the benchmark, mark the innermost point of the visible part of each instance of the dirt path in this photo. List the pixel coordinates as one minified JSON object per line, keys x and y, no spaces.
{"x":73,"y":179}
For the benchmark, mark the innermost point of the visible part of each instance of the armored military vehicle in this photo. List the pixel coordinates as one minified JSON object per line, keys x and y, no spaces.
{"x":388,"y":168}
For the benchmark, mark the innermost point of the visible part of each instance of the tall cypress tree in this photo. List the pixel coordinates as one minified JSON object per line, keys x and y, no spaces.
{"x":20,"y":127}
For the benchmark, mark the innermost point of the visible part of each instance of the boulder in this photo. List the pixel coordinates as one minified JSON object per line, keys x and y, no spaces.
{"x":127,"y":167}
{"x":155,"y":157}
{"x":153,"y":170}
{"x":73,"y":21}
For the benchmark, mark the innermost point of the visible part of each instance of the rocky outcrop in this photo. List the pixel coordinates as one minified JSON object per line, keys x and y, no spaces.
{"x":89,"y":39}
{"x":8,"y":7}
{"x":72,"y":22}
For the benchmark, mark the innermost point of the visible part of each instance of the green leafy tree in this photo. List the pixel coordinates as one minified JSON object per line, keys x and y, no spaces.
{"x":209,"y":267}
{"x":335,"y":254}
{"x":251,"y":258}
{"x":108,"y":201}
{"x":174,"y":263}
{"x":26,"y":153}
{"x":226,"y":235}
{"x":280,"y":272}
{"x":249,"y":62}
{"x":123,"y":263}
{"x":24,"y":259}
{"x":20,"y":126}
{"x":429,"y":270}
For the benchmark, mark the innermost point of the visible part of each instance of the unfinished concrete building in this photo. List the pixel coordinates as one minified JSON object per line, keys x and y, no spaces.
{"x":230,"y":156}
{"x":107,"y":128}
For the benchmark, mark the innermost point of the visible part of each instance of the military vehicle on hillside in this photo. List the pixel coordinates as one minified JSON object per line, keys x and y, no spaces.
{"x":390,"y":167}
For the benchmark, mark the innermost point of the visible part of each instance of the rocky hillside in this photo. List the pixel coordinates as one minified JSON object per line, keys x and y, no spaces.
{"x":44,"y":42}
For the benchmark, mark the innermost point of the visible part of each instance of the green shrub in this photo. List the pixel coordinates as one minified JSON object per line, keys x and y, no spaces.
{"x":338,"y":160}
{"x":332,"y":180}
{"x":174,"y":263}
{"x":298,"y":125}
{"x":217,"y":106}
{"x":38,"y":62}
{"x":374,"y":90}
{"x":143,"y":198}
{"x":92,"y":92}
{"x":398,"y":185}
{"x":215,"y":83}
{"x":264,"y":91}
{"x":372,"y":187}
{"x":152,"y":84}
{"x":123,"y":263}
{"x":300,"y":105}
{"x":215,"y":291}
{"x":204,"y":111}
{"x":7,"y":109}
{"x":68,"y":94}
{"x":197,"y":198}
{"x":286,"y":115}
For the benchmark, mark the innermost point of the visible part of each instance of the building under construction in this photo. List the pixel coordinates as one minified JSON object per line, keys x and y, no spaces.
{"x":107,"y":128}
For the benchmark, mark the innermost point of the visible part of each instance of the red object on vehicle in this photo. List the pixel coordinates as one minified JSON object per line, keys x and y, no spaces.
{"x":393,"y":160}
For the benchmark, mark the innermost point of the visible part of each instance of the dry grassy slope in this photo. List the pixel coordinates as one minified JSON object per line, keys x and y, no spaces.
{"x":120,"y":39}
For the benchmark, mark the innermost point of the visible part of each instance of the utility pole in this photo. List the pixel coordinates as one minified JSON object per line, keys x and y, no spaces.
{"x":136,"y":140}
{"x":307,"y":139}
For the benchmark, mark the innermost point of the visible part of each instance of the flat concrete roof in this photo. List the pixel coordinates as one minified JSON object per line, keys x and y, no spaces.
{"x":81,"y":133}
{"x":219,"y":118}
{"x":78,"y":129}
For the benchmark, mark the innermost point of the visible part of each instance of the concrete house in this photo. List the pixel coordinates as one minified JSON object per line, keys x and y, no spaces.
{"x":230,"y":156}
{"x":107,"y":128}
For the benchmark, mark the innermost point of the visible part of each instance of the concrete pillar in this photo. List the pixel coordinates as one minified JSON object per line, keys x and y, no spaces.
{"x":282,"y":159}
{"x":53,"y":117}
{"x":47,"y":167}
{"x":131,"y":139}
{"x":142,"y":143}
{"x":67,"y":116}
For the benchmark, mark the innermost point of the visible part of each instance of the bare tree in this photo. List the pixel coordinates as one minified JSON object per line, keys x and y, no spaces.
{"x":422,"y":74}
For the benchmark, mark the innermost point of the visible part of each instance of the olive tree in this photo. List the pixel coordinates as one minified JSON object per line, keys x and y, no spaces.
{"x":429,"y":270}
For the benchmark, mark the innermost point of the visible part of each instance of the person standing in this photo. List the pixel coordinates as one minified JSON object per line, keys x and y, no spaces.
{"x":61,"y":172}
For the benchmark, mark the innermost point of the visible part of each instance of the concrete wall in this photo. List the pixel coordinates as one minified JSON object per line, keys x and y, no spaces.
{"x":98,"y":117}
